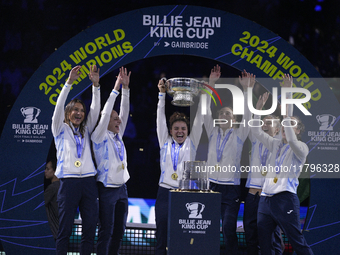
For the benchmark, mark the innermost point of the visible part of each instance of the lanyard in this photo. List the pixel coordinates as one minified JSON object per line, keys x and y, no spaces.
{"x":219,"y":149}
{"x":79,"y":143}
{"x":278,"y":162}
{"x":121,"y":150}
{"x":175,"y":154}
{"x":263,"y":157}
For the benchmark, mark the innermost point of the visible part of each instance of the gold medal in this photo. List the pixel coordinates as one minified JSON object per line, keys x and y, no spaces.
{"x":264,"y":173}
{"x":275,"y":180}
{"x":77,"y":163}
{"x":217,"y":168}
{"x":174,"y":176}
{"x":122,"y":165}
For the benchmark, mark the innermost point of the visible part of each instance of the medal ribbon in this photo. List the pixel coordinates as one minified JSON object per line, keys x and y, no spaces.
{"x":263,"y":157}
{"x":278,"y":162}
{"x":175,"y":154}
{"x":121,"y":151}
{"x":219,"y":149}
{"x":79,"y":142}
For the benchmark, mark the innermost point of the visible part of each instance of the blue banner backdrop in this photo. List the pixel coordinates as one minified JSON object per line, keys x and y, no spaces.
{"x":135,"y":35}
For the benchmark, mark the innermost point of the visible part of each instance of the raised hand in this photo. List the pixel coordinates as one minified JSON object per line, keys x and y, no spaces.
{"x":123,"y":78}
{"x":262,"y":101}
{"x":74,"y":74}
{"x":161,"y":86}
{"x":94,"y":75}
{"x":287,"y":81}
{"x":214,"y":75}
{"x":247,"y":80}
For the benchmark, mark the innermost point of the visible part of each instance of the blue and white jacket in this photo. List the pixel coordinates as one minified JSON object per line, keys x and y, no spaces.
{"x":66,"y":143}
{"x":186,"y":153}
{"x":285,"y":178}
{"x":255,"y":177}
{"x":110,"y":170}
{"x":229,"y":166}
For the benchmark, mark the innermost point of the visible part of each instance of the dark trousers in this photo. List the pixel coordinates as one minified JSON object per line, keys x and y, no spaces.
{"x":250,"y":227}
{"x":113,"y":210}
{"x":229,"y":212}
{"x":74,"y":192}
{"x":161,"y":215}
{"x":282,"y":209}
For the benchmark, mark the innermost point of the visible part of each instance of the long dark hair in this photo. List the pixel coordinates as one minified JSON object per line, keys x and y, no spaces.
{"x":69,"y":108}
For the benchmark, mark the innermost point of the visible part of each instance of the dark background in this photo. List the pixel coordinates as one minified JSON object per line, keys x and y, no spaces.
{"x":31,"y":30}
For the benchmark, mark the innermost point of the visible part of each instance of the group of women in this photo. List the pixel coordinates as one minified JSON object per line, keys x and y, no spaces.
{"x":272,"y":205}
{"x":84,"y":180}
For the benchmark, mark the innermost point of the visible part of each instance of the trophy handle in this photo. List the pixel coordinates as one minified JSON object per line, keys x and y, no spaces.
{"x":334,"y":118}
{"x":38,"y":112}
{"x":317,"y":117}
{"x":203,"y":206}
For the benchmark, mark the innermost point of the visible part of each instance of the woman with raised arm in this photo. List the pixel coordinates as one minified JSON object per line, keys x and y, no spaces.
{"x":75,"y":167}
{"x":279,"y":204}
{"x":111,"y":159}
{"x":176,"y":148}
{"x":256,"y":177}
{"x":224,"y":153}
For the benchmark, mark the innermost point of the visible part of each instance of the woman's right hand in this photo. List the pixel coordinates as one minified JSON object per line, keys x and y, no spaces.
{"x":74,"y":74}
{"x":162,"y":86}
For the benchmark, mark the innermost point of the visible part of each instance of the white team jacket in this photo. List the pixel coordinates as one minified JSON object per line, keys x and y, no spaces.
{"x":187,"y":151}
{"x":110,"y":167}
{"x":66,"y":143}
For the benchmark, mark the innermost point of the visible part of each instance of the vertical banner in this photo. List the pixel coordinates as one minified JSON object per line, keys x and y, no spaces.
{"x":194,"y":224}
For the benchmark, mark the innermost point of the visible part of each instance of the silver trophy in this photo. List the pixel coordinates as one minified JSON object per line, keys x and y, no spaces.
{"x":183,"y":90}
{"x":194,"y":177}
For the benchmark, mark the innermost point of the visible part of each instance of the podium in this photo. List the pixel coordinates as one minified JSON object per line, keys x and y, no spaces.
{"x":194,"y":223}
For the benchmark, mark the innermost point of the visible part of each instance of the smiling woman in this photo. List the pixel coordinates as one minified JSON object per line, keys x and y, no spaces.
{"x":179,"y":127}
{"x":75,"y":167}
{"x":75,"y":112}
{"x":175,"y":149}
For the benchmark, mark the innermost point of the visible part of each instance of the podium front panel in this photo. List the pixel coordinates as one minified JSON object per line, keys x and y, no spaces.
{"x":194,"y":223}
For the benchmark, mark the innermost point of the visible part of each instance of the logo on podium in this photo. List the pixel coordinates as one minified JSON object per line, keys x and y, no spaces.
{"x":195,"y":209}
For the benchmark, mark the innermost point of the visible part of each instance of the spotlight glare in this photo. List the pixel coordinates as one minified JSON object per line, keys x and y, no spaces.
{"x":317,"y":8}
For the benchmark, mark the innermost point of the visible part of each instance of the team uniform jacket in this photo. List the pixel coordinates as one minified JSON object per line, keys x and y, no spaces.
{"x":255,"y":178}
{"x":229,"y":164}
{"x":110,"y":170}
{"x":187,"y":151}
{"x":66,"y":143}
{"x":292,"y":161}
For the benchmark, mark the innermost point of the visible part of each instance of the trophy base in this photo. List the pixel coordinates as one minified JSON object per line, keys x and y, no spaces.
{"x":183,"y":99}
{"x":194,"y":185}
{"x":195,"y":190}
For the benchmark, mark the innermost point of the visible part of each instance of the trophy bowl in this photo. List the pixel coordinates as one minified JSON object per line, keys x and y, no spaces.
{"x":183,"y":90}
